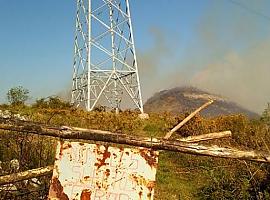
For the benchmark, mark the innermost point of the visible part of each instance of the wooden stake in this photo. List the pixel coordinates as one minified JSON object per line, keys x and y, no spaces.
{"x":182,"y":123}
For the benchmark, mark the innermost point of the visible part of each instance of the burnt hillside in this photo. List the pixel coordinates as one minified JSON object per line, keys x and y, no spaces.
{"x":185,"y":99}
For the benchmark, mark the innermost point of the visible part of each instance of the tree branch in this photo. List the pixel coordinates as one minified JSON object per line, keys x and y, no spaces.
{"x":205,"y":137}
{"x":154,"y":143}
{"x":33,"y":173}
{"x":182,"y":123}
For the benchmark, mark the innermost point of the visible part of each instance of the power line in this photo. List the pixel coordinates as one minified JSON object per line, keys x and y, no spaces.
{"x":251,"y":10}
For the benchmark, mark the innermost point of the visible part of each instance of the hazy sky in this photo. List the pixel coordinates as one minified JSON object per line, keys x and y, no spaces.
{"x":222,"y":46}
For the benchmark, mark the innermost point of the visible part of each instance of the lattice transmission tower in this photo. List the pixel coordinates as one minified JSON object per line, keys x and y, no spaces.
{"x":105,"y":64}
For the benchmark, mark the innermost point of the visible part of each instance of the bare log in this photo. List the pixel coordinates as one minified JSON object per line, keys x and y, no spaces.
{"x":205,"y":137}
{"x":29,"y":174}
{"x":154,"y":143}
{"x":182,"y":123}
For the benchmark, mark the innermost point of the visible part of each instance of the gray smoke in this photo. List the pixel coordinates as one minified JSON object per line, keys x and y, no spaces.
{"x":229,"y":56}
{"x":239,"y":67}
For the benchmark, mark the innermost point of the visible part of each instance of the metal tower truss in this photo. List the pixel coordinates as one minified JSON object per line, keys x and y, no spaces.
{"x":105,"y":65}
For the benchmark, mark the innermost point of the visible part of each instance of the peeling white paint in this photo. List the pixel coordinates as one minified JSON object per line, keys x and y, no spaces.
{"x":90,"y":171}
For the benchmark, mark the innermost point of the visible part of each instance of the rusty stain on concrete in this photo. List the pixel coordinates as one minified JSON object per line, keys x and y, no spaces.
{"x":64,"y":146}
{"x":105,"y":155}
{"x":86,"y":195}
{"x":150,"y":157}
{"x":89,"y":171}
{"x":57,"y":189}
{"x":107,"y":172}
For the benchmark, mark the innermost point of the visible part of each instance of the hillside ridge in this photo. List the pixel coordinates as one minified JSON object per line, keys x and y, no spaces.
{"x":185,"y":99}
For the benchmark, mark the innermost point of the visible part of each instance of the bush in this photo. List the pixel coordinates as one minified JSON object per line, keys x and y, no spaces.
{"x":51,"y":103}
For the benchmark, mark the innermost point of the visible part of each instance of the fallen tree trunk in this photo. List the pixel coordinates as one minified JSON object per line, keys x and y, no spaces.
{"x":154,"y":143}
{"x":29,"y":174}
{"x":205,"y":137}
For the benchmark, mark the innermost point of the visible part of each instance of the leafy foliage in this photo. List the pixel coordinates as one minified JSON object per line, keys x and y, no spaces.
{"x":52,"y":102}
{"x":17,"y":95}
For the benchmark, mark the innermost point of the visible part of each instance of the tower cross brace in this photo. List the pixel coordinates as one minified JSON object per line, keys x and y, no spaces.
{"x":105,"y":69}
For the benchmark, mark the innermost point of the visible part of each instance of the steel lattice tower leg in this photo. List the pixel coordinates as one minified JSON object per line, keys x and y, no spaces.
{"x":105,"y":64}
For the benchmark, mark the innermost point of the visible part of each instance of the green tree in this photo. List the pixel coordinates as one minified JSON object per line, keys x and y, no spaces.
{"x":266,"y":115}
{"x":18,"y":95}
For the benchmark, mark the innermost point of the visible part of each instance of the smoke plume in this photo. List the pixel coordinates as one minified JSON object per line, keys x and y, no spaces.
{"x":229,"y":56}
